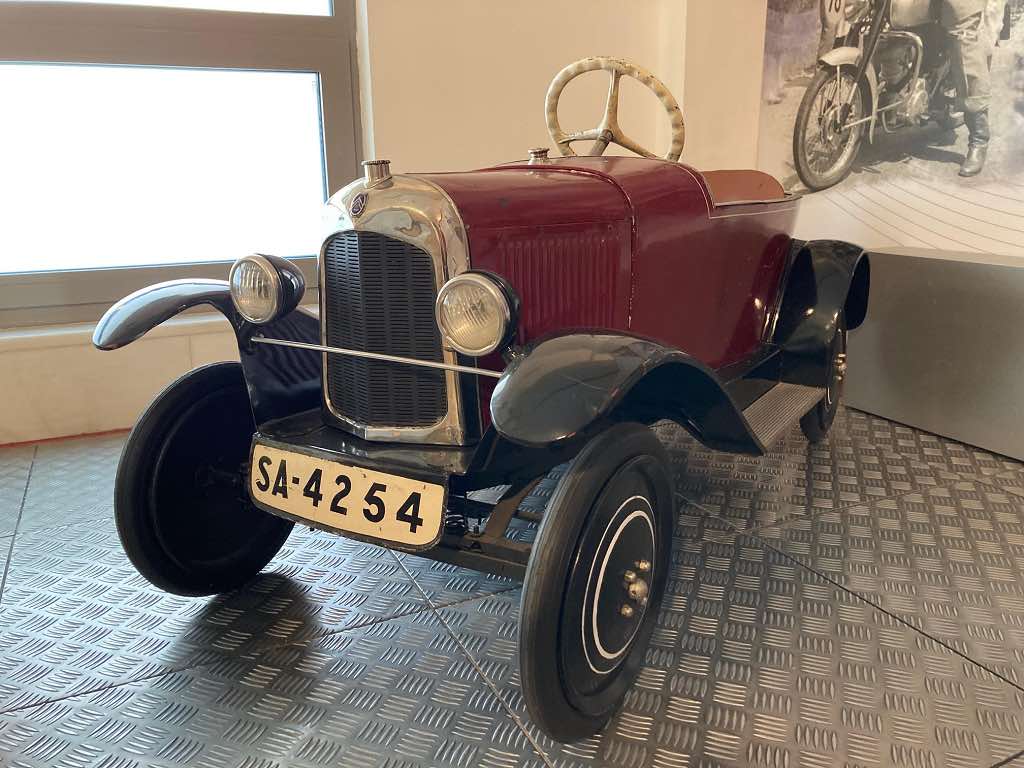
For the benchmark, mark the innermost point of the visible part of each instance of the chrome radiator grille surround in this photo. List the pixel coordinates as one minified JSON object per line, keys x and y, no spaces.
{"x":378,"y":296}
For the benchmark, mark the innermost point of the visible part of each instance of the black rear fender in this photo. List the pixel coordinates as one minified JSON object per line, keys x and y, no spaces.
{"x":827,"y":279}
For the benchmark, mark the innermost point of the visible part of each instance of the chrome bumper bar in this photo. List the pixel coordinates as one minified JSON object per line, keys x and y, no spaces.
{"x":377,"y":356}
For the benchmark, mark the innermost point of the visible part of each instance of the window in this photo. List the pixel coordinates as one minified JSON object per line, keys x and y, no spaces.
{"x":159,"y":166}
{"x":154,"y":142}
{"x":300,"y":7}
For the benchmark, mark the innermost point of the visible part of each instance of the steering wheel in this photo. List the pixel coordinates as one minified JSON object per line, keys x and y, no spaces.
{"x":609,"y":132}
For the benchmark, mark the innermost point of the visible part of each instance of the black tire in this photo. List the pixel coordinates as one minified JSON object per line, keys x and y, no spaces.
{"x":816,"y":423}
{"x":180,"y":499}
{"x":567,"y":696}
{"x":807,"y":119}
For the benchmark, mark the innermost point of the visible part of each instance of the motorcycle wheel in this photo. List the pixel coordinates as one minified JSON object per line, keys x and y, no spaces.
{"x":822,"y":150}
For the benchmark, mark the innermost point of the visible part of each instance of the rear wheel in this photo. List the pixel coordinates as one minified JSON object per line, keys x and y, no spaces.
{"x":823,"y":148}
{"x":180,"y":500}
{"x":595,"y":581}
{"x":817,"y":422}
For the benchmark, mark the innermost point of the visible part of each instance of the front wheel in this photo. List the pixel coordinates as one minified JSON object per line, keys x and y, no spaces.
{"x":824,"y":148}
{"x":594,"y":582}
{"x":180,"y":499}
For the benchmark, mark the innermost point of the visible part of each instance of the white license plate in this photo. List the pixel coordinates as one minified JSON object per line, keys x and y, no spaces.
{"x":361,"y":501}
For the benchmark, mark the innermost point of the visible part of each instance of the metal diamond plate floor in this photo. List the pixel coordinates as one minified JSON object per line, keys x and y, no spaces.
{"x":859,"y":603}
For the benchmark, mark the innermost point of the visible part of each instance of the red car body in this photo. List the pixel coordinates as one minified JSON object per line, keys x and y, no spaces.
{"x":628,"y":244}
{"x":633,"y":245}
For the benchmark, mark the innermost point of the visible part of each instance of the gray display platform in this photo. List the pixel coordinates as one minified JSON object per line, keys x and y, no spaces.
{"x":942,"y":348}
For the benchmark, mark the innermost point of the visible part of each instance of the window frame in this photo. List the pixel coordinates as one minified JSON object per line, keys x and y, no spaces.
{"x":92,"y":33}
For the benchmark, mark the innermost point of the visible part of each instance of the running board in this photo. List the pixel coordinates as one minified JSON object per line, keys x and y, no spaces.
{"x":772,"y":414}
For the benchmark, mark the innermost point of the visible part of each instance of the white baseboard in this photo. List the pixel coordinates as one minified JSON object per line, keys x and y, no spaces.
{"x":54,"y":383}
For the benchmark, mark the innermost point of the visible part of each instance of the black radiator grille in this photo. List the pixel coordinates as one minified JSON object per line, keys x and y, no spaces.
{"x":379,"y":297}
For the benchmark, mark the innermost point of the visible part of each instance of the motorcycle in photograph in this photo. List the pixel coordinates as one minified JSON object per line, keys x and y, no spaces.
{"x":893,"y":72}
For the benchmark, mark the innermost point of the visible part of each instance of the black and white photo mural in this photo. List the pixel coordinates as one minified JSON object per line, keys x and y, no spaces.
{"x":904,"y":118}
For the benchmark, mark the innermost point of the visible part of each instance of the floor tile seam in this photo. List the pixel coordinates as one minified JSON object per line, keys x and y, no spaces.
{"x":58,"y":526}
{"x":17,"y":523}
{"x":55,"y":526}
{"x":479,"y":671}
{"x":989,"y":481}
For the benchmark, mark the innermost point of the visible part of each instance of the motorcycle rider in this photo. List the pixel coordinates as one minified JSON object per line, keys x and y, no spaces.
{"x":971,"y":50}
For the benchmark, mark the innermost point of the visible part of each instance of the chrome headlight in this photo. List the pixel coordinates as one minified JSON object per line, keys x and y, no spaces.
{"x":474,"y":313}
{"x":265,"y":287}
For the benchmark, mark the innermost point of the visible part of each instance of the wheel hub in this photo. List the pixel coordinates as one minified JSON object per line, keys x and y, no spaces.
{"x":636,"y":587}
{"x":615,"y":580}
{"x":835,"y":382}
{"x":832,"y":126}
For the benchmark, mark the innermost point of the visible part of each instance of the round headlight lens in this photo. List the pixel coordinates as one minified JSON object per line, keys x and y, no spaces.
{"x":255,"y":289}
{"x":473,"y":314}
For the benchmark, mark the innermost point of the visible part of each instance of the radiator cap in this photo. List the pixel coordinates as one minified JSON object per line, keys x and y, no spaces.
{"x":376,"y":171}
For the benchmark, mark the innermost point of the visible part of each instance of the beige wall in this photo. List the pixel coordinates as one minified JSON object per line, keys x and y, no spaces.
{"x":53,"y":382}
{"x":457,"y":84}
{"x":724,"y":61}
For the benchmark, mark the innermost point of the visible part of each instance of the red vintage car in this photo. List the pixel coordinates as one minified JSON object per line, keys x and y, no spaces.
{"x":476,"y":330}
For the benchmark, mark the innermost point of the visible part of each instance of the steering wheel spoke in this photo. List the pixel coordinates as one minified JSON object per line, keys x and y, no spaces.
{"x":564,"y":140}
{"x":611,"y":107}
{"x":591,"y":134}
{"x":604,"y":138}
{"x":627,"y":143}
{"x":609,"y":131}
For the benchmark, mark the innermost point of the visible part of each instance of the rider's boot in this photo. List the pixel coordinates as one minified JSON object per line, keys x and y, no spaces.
{"x":977,"y":143}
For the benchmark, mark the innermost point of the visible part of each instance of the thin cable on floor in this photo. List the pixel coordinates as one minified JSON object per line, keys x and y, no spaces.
{"x":765,"y":543}
{"x":1011,"y":759}
{"x":892,"y":615}
{"x":17,"y":523}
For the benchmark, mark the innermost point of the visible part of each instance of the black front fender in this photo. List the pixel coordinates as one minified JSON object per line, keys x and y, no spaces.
{"x":281,"y":380}
{"x":563,"y":386}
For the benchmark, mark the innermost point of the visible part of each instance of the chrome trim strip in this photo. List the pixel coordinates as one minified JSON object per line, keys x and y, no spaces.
{"x":377,"y":356}
{"x":422,"y":214}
